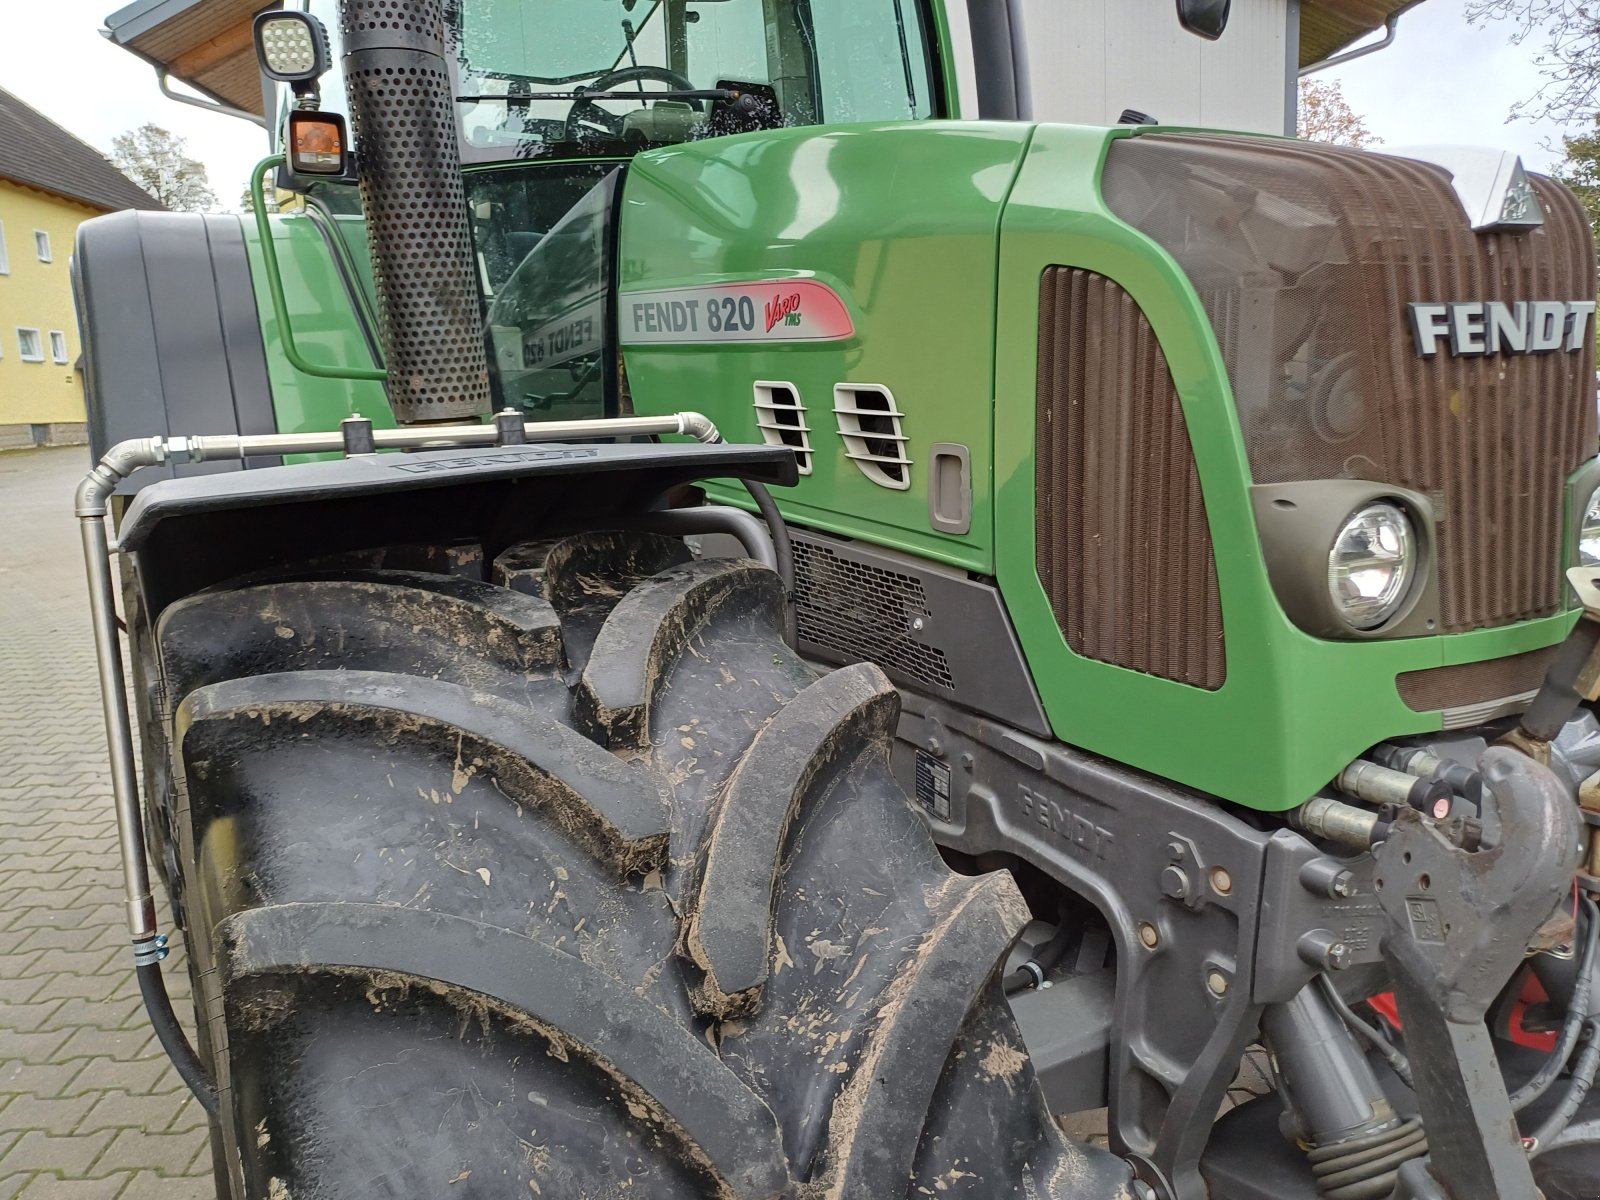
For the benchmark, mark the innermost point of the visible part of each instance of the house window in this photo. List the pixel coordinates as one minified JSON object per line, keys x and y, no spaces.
{"x":30,"y":344}
{"x":41,"y":243}
{"x":58,"y":346}
{"x":5,"y":263}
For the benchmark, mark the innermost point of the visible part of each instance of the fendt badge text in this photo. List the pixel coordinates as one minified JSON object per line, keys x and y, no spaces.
{"x":1470,"y":328}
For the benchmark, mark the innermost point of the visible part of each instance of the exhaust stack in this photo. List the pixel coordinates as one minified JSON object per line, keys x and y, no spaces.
{"x":403,"y":121}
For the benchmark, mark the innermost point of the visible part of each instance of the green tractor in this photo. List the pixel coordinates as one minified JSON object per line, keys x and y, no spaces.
{"x":1173,"y":647}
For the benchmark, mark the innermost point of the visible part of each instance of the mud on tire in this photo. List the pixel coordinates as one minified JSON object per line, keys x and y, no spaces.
{"x":583,"y":886}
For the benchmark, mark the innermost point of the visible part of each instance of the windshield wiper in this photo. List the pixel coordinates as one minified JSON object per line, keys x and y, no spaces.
{"x":580,"y":94}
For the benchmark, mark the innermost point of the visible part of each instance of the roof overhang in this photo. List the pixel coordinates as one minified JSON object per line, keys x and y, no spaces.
{"x":1328,"y":26}
{"x":203,"y":43}
{"x":207,"y":43}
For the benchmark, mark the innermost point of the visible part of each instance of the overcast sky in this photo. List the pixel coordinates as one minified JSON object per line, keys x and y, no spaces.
{"x":1443,"y":81}
{"x":1440,"y":82}
{"x":58,"y":62}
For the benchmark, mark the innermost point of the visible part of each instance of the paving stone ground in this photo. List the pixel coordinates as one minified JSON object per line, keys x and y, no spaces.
{"x":90,"y":1109}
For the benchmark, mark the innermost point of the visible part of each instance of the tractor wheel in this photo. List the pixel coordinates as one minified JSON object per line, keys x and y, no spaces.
{"x":580,"y":887}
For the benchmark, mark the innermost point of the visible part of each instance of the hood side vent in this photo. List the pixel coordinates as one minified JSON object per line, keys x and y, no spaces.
{"x":873,"y":432}
{"x":781,"y":417}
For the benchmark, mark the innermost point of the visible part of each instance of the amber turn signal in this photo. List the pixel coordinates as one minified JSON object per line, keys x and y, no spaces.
{"x":316,"y":143}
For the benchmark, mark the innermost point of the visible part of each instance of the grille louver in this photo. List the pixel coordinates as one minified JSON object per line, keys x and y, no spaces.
{"x":781,"y":417}
{"x":873,"y":432}
{"x":1121,"y":524}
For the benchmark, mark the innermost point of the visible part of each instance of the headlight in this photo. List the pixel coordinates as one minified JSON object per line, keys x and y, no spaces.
{"x":1370,"y":567}
{"x":1589,"y":533}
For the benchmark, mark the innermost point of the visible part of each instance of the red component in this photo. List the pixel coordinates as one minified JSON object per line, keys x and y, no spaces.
{"x":1532,"y":993}
{"x":1383,"y":1004}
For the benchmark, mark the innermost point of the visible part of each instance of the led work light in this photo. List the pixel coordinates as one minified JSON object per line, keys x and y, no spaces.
{"x":292,"y":47}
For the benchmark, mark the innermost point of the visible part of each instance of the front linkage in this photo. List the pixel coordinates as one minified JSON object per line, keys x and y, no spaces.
{"x":1438,"y":884}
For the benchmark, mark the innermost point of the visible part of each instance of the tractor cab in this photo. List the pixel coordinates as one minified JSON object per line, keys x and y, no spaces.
{"x":554,"y":99}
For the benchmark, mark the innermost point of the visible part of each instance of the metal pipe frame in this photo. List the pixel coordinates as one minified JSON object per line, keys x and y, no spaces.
{"x":91,"y":503}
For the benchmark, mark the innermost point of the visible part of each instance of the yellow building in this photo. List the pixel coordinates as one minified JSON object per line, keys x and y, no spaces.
{"x":50,"y":183}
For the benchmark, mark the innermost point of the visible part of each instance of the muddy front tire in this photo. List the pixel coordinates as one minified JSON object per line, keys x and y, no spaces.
{"x":583,"y":887}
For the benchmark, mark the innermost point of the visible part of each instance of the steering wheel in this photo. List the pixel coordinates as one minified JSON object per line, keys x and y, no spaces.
{"x":587,"y":112}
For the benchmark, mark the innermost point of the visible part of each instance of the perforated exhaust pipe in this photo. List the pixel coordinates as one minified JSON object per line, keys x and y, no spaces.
{"x":403,"y":119}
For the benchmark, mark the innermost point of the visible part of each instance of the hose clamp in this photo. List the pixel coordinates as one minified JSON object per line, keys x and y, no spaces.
{"x":151,"y":951}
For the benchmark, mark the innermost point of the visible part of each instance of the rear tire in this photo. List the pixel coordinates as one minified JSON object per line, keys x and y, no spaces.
{"x":582,"y":887}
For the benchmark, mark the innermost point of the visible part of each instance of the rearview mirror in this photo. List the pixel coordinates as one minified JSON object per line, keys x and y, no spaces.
{"x":1208,"y":18}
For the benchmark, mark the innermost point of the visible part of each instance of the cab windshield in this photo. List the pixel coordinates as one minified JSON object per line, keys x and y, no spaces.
{"x":675,"y":70}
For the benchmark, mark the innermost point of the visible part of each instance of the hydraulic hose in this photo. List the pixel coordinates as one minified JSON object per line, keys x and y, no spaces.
{"x":783,"y":547}
{"x":1397,"y":1061}
{"x":1584,"y":1133}
{"x":1577,"y":1090}
{"x":1577,"y":1011}
{"x":1032,"y":973}
{"x":172,"y":1038}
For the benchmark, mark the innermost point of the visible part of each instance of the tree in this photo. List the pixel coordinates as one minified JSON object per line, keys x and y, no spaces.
{"x":1580,"y":170}
{"x":158,"y":162}
{"x":1326,"y":116}
{"x":1569,"y":58}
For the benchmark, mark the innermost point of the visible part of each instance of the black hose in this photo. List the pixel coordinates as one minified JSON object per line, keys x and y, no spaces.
{"x":1558,"y":697}
{"x":173,"y":1040}
{"x":1583,"y":1073}
{"x":1584,"y":1133}
{"x":1396,"y":1060}
{"x":784,"y":549}
{"x":1577,"y":1011}
{"x":1023,"y":979}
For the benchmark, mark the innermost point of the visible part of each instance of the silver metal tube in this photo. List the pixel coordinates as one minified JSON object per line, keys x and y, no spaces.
{"x":89,"y":505}
{"x":213,"y":448}
{"x":1380,"y":785}
{"x":1336,"y":821}
{"x":141,"y":909}
{"x":751,"y":531}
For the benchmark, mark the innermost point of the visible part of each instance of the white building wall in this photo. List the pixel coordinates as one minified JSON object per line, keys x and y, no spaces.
{"x":1088,"y":60}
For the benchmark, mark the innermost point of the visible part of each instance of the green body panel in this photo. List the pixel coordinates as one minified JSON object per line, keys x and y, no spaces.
{"x":935,"y":235}
{"x":895,"y":219}
{"x":901,"y":220}
{"x":1294,"y":709}
{"x":326,"y":329}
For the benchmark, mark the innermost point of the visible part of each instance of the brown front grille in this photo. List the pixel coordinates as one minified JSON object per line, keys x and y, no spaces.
{"x":1124,"y":549}
{"x":1474,"y":683}
{"x":1306,"y":258}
